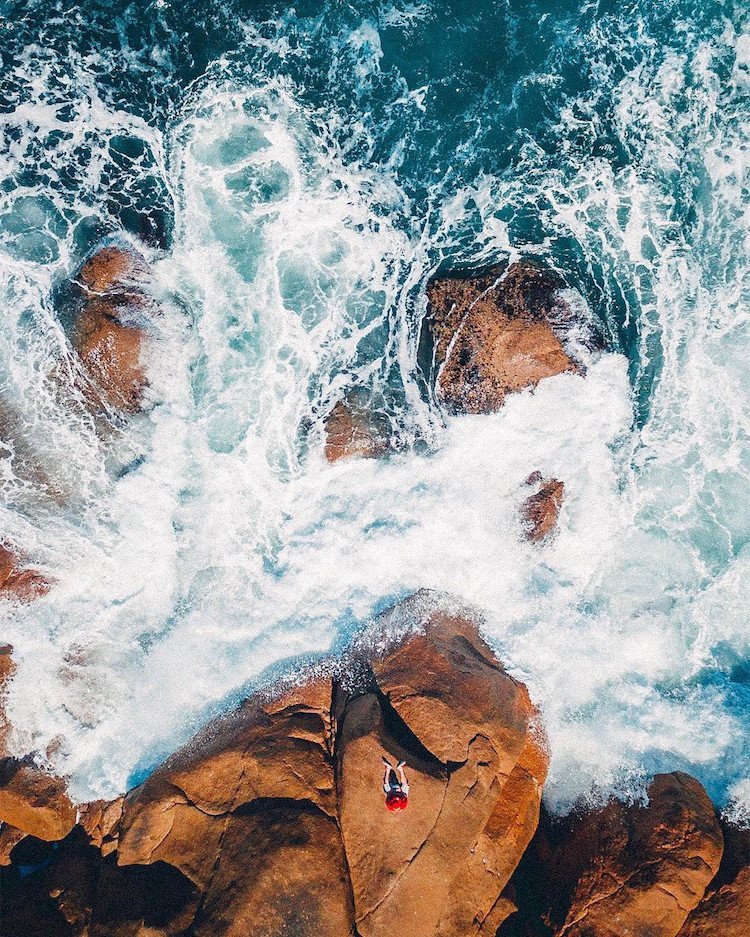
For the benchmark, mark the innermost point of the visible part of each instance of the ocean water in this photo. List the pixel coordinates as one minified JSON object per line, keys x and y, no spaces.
{"x":295,"y":175}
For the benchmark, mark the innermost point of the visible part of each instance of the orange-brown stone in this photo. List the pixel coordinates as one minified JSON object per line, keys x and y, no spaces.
{"x":353,"y":429}
{"x":493,"y":335}
{"x":640,"y":869}
{"x":33,"y":801}
{"x":476,"y":763}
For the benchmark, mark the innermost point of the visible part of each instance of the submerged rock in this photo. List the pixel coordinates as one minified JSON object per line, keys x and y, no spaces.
{"x":541,"y":510}
{"x":494,"y":333}
{"x":111,"y":353}
{"x":17,"y":581}
{"x":353,"y":428}
{"x":109,"y":332}
{"x":113,"y":269}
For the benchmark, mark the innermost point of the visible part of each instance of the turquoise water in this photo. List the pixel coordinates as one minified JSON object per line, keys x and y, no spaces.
{"x":295,"y":176}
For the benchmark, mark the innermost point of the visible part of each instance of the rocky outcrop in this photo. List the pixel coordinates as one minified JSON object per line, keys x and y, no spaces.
{"x":247,"y":814}
{"x":18,"y":581}
{"x":272,"y":820}
{"x":110,"y":332}
{"x":354,"y":428}
{"x":257,"y":792}
{"x":477,"y":762}
{"x":650,"y":865}
{"x":540,"y":511}
{"x":623,"y":869}
{"x":495,"y":333}
{"x":725,"y":910}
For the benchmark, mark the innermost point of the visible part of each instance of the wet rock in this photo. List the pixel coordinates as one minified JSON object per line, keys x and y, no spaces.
{"x":33,"y":801}
{"x":109,"y":333}
{"x":496,"y":333}
{"x":540,"y":511}
{"x":19,"y":582}
{"x":111,"y":354}
{"x":476,"y":767}
{"x":635,"y":869}
{"x":353,"y":428}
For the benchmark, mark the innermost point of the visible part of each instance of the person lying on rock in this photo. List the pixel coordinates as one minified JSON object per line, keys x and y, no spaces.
{"x":395,"y":786}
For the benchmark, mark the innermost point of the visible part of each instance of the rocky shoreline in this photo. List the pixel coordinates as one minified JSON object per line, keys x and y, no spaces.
{"x":271,"y":820}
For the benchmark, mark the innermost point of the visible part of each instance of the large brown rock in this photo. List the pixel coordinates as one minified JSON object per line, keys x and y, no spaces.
{"x":725,"y":910}
{"x":493,"y":334}
{"x":639,"y":869}
{"x":109,"y":332}
{"x":476,"y":764}
{"x":33,"y":801}
{"x":247,"y":813}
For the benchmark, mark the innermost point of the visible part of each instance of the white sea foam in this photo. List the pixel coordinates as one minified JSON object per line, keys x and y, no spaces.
{"x":229,"y":550}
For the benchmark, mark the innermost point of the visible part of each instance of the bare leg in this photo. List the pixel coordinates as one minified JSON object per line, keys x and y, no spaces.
{"x":401,"y":775}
